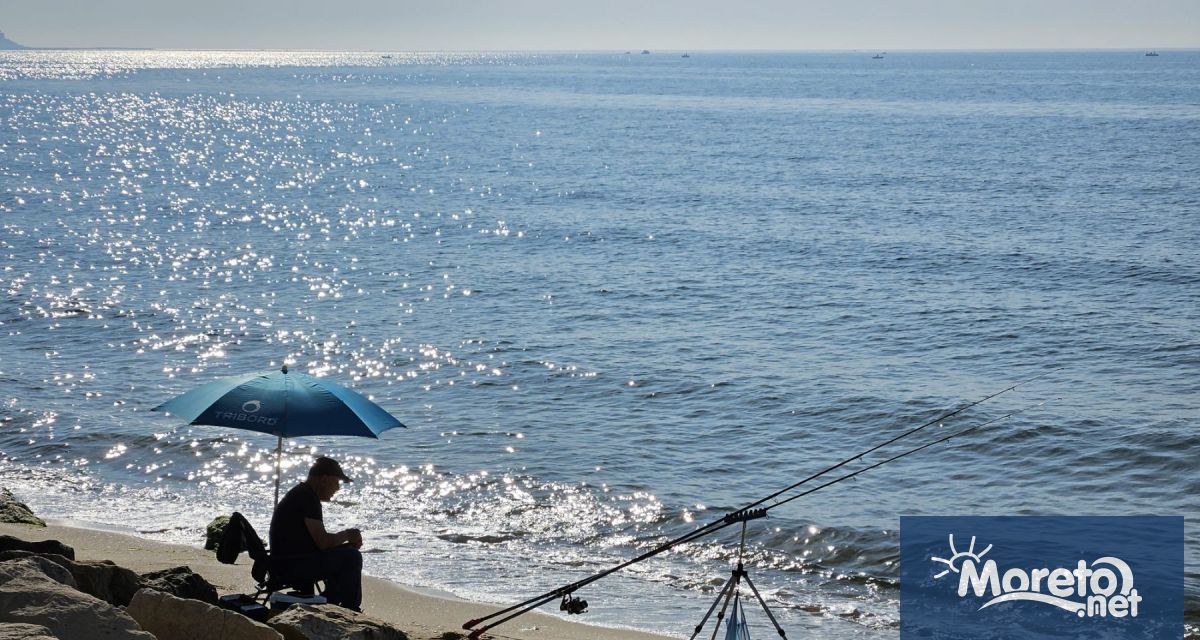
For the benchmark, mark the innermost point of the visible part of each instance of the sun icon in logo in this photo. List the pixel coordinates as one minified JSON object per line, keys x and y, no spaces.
{"x":957,"y":557}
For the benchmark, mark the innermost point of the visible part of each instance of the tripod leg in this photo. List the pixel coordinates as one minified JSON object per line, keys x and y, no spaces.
{"x":778,"y":629}
{"x":720,"y":596}
{"x":733,"y":586}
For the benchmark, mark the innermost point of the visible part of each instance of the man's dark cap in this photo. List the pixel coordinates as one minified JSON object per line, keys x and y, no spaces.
{"x":328,"y":467}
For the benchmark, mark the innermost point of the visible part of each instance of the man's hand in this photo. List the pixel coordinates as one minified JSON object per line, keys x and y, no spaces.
{"x":353,"y":538}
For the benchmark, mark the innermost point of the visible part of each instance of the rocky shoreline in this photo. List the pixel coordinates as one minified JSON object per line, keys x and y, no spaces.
{"x":123,"y":574}
{"x":129,"y":577}
{"x":46,"y":593}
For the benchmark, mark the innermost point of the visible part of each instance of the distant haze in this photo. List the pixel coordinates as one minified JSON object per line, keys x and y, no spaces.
{"x":607,"y":25}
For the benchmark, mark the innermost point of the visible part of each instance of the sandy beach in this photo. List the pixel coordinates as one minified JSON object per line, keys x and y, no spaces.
{"x":421,"y":616}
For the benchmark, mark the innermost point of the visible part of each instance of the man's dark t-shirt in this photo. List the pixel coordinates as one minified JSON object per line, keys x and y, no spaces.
{"x":289,"y":534}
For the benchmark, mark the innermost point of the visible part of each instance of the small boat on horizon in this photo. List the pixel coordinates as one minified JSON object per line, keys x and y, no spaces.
{"x":685,"y":56}
{"x":1152,"y":54}
{"x":645,"y":52}
{"x":878,"y":56}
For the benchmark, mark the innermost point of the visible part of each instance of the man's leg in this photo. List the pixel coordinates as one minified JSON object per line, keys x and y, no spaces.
{"x":341,"y":569}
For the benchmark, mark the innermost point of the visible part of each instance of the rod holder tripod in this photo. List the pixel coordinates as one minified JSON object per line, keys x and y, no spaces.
{"x":730,"y":593}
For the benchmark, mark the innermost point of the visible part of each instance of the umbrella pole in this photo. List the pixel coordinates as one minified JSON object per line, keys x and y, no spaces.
{"x":278,"y":453}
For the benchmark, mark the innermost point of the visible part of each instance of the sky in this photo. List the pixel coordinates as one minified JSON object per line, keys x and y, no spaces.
{"x":489,"y":25}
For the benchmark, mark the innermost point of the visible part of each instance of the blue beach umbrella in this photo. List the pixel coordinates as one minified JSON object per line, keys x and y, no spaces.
{"x":282,"y":404}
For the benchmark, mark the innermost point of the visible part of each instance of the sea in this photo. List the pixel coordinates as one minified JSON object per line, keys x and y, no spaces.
{"x":613,"y":297}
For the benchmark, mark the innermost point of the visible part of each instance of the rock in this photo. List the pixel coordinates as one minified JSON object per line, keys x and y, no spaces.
{"x":9,"y":543}
{"x":105,"y":580}
{"x":327,"y":622}
{"x":102,"y":579}
{"x":52,"y":569}
{"x":13,"y":510}
{"x":216,"y":529}
{"x":171,"y":618}
{"x":21,"y":631}
{"x":181,"y":582}
{"x":29,"y":596}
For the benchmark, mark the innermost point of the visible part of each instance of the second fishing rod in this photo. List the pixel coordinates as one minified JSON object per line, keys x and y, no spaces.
{"x":747,"y":512}
{"x":740,"y":516}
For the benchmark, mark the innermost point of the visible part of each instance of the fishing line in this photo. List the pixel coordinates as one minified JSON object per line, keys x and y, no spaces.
{"x":956,"y":434}
{"x":750,"y":511}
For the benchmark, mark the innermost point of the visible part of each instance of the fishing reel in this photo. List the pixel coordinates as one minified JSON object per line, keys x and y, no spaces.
{"x":572,"y":605}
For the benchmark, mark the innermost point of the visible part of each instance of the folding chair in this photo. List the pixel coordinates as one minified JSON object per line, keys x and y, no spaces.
{"x":240,"y":536}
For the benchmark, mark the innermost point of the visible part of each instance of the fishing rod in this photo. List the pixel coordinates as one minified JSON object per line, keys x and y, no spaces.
{"x":748,"y":512}
{"x":741,"y":516}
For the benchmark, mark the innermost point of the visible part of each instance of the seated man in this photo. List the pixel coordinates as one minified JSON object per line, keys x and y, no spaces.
{"x":302,"y":550}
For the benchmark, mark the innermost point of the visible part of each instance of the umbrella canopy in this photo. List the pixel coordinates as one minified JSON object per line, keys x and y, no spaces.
{"x":282,"y":404}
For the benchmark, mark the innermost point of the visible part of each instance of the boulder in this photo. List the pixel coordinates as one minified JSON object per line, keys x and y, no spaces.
{"x":21,"y":631}
{"x":9,"y":543}
{"x":29,"y":596}
{"x":327,"y":622}
{"x":15,"y":511}
{"x":216,"y":529}
{"x":102,"y":579}
{"x":181,"y":582}
{"x":52,"y":569}
{"x":171,"y":618}
{"x":105,"y":580}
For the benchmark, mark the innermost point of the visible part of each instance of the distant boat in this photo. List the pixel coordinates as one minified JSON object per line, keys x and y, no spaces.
{"x":878,"y":56}
{"x":1152,"y":54}
{"x":386,"y":57}
{"x":685,"y":56}
{"x":645,"y":52}
{"x":627,"y":53}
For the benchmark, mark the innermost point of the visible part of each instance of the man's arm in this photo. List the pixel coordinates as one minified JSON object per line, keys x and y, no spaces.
{"x":325,"y":540}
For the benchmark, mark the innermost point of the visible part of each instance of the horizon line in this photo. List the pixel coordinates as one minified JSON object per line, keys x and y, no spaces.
{"x":620,"y":51}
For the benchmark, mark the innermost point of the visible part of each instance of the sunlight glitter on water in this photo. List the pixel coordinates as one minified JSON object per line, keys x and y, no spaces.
{"x":187,"y":156}
{"x":77,"y":65}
